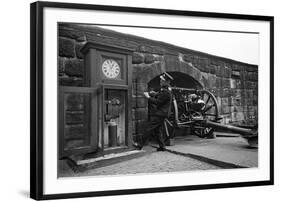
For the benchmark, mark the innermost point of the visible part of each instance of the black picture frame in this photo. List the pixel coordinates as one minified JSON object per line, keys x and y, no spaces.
{"x":37,"y":98}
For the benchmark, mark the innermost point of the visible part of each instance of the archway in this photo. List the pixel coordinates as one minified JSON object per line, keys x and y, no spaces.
{"x":181,"y":80}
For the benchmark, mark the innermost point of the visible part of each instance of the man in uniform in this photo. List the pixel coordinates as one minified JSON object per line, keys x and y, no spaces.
{"x":161,"y":102}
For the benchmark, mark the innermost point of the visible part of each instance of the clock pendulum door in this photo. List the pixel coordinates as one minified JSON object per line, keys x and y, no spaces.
{"x":114,"y":117}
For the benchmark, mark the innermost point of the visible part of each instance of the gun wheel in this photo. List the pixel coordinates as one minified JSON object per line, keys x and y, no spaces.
{"x":210,"y":111}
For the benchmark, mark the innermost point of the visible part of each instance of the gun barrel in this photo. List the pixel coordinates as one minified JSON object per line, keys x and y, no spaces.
{"x":235,"y":129}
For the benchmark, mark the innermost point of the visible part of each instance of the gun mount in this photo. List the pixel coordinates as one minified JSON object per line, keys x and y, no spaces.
{"x":198,"y":110}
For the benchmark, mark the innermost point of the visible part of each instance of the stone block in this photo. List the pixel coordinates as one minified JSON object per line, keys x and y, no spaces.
{"x":228,"y":65}
{"x":148,"y":59}
{"x":248,"y":93}
{"x":74,"y":67}
{"x":250,"y":85}
{"x":213,"y":61}
{"x":252,"y":108}
{"x":66,"y":47}
{"x":243,"y":75}
{"x":133,"y":114}
{"x":219,"y":71}
{"x":251,"y":68}
{"x":159,"y":58}
{"x":143,"y":73}
{"x":212,"y":79}
{"x":239,"y":84}
{"x":139,"y":89}
{"x":141,"y":114}
{"x":218,"y":82}
{"x":61,"y":64}
{"x":226,"y":83}
{"x":195,"y":60}
{"x":235,"y":101}
{"x":188,"y":58}
{"x":138,"y":58}
{"x":202,"y":64}
{"x":225,"y":101}
{"x":237,"y":93}
{"x":226,"y":92}
{"x":255,"y":92}
{"x":236,"y":67}
{"x":145,"y":49}
{"x":235,"y":74}
{"x":172,"y":63}
{"x":252,"y":76}
{"x":249,"y":101}
{"x":232,"y":83}
{"x":225,"y":110}
{"x":134,"y":102}
{"x":71,"y":33}
{"x":133,"y":127}
{"x":227,"y":72}
{"x":158,"y":50}
{"x":235,"y":83}
{"x":255,"y":100}
{"x":141,"y":102}
{"x":212,"y":69}
{"x":237,"y":116}
{"x":71,"y":81}
{"x":236,"y":109}
{"x":205,"y":77}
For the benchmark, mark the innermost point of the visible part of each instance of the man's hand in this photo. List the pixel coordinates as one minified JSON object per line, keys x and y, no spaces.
{"x":146,"y":94}
{"x":152,"y":93}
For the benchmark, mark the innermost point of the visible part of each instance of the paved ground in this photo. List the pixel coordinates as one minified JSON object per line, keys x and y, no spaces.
{"x":153,"y":162}
{"x":234,"y":150}
{"x":226,"y":148}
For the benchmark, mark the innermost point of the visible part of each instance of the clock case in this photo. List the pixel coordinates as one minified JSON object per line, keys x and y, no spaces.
{"x":94,"y":56}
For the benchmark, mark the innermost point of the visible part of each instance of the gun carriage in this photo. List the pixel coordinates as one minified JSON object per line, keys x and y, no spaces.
{"x":198,"y":110}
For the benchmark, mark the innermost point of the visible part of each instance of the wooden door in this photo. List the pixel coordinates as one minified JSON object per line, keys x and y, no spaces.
{"x":78,"y":128}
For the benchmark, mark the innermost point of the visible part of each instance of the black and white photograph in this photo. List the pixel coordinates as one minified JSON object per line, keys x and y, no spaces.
{"x":138,"y":100}
{"x":135,"y":100}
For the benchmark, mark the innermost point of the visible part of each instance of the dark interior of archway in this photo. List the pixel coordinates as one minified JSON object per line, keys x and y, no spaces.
{"x":180,"y":80}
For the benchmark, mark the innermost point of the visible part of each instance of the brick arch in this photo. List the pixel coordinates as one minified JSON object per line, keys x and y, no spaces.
{"x":181,"y":67}
{"x":190,"y":70}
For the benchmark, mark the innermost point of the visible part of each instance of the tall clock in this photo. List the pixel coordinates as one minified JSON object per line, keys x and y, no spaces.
{"x":108,"y":69}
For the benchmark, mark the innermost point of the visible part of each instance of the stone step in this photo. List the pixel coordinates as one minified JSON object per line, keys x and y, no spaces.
{"x":80,"y":165}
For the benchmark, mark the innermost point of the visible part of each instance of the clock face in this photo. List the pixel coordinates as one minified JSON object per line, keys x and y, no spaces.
{"x":110,"y":68}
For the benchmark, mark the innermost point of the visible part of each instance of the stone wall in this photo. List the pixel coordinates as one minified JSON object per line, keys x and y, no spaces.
{"x":235,"y":84}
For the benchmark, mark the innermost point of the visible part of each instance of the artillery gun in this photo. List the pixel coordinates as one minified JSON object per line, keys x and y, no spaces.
{"x":198,"y":110}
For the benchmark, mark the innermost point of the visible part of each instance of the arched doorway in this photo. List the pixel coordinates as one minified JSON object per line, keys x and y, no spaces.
{"x":181,"y":80}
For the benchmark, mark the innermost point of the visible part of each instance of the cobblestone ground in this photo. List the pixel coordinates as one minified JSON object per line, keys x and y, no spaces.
{"x":151,"y":163}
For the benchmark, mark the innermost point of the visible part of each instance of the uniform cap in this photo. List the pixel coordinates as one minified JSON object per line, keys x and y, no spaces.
{"x":166,"y":77}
